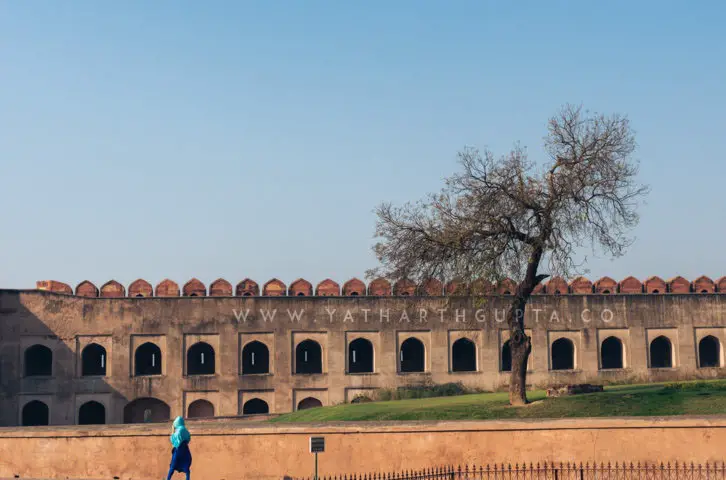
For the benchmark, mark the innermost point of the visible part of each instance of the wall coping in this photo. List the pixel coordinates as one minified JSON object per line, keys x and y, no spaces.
{"x":246,"y":427}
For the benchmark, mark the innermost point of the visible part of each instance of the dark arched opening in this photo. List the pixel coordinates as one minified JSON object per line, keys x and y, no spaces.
{"x":563,"y":354}
{"x":93,"y":360}
{"x":200,"y":359}
{"x":146,"y":410}
{"x":506,"y":357}
{"x":200,"y":409}
{"x":661,"y":353}
{"x":92,"y":413}
{"x":360,"y":356}
{"x":255,"y":406}
{"x":361,"y":399}
{"x":463,"y":356}
{"x":308,"y":357}
{"x":38,"y":361}
{"x":35,"y":413}
{"x":309,"y":402}
{"x":255,"y":358}
{"x":709,"y":352}
{"x":413,"y":356}
{"x":148,"y":359}
{"x":611,"y":353}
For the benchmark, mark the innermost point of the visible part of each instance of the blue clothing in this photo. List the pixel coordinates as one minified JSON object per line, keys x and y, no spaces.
{"x":181,"y":456}
{"x":181,"y":434}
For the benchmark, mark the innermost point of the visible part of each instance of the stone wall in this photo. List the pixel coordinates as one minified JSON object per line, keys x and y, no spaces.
{"x":569,"y":334}
{"x":263,"y":451}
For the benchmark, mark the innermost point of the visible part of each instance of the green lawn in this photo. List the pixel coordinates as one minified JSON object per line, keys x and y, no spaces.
{"x":682,"y":398}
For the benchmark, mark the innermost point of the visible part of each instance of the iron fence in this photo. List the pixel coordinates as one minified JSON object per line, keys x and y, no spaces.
{"x":554,"y":471}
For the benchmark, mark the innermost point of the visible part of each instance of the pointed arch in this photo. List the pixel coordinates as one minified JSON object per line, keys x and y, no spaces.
{"x":255,"y":406}
{"x":167,"y":288}
{"x":93,"y":360}
{"x":327,"y":288}
{"x":463,"y":356}
{"x":140,"y":288}
{"x":194,"y":288}
{"x":200,"y":409}
{"x":431,"y":287}
{"x":201,"y":359}
{"x":481,"y":286}
{"x":404,"y":288}
{"x":255,"y":358}
{"x":556,"y":286}
{"x":655,"y":284}
{"x":709,"y":352}
{"x":113,"y":289}
{"x":380,"y":287}
{"x":606,"y":286}
{"x":92,"y":413}
{"x":220,"y":288}
{"x":360,"y":356}
{"x":611,"y":353}
{"x":38,"y":361}
{"x":86,"y":289}
{"x":661,"y":352}
{"x":580,"y":285}
{"x":679,"y":285}
{"x":146,"y":410}
{"x":630,"y":285}
{"x":35,"y":413}
{"x":563,"y":354}
{"x":308,"y":357}
{"x":703,"y":284}
{"x":354,"y":288}
{"x":506,"y":287}
{"x":247,"y":288}
{"x":54,"y":286}
{"x":309,"y":402}
{"x":301,"y":288}
{"x":456,"y":288}
{"x":274,"y":288}
{"x":412,"y":356}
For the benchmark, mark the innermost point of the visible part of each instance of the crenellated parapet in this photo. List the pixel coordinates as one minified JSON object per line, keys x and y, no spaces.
{"x":381,"y":287}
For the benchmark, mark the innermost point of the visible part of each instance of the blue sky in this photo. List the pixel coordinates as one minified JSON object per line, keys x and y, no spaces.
{"x":254,"y":139}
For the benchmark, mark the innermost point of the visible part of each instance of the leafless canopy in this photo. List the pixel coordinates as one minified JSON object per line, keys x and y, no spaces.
{"x":489,"y":219}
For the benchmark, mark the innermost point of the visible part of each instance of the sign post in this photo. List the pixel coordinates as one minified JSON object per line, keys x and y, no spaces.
{"x":317,"y":445}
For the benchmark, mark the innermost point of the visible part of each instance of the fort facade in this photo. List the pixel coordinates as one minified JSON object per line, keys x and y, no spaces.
{"x":113,"y":355}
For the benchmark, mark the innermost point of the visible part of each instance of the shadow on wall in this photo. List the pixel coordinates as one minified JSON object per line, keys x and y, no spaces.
{"x":46,"y":379}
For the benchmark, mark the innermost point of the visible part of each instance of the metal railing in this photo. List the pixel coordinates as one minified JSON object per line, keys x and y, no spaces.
{"x":554,"y":471}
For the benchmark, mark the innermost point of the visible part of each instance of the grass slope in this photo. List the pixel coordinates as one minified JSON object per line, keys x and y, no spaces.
{"x":684,"y":398}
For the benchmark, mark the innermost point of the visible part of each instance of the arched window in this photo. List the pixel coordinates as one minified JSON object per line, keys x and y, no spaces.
{"x":255,"y":406}
{"x":200,"y":409}
{"x":709,"y":352}
{"x":38,"y":361}
{"x":35,"y":413}
{"x":255,"y":358}
{"x":92,"y":413}
{"x":147,"y":359}
{"x":463,"y":356}
{"x":200,"y":359}
{"x":413,"y":356}
{"x":309,"y":402}
{"x":360,"y":356}
{"x":611,"y":353}
{"x":563,"y":354}
{"x":308,"y":357}
{"x":661,"y":353}
{"x":93,"y":360}
{"x":506,"y":357}
{"x":146,"y":410}
{"x":361,"y":399}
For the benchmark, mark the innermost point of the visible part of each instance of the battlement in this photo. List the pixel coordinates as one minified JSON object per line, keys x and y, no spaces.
{"x":381,"y":287}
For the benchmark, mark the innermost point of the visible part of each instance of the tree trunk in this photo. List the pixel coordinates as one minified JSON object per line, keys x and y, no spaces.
{"x":520,"y":345}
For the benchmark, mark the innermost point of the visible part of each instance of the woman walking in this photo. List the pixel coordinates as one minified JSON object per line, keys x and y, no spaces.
{"x":181,"y":456}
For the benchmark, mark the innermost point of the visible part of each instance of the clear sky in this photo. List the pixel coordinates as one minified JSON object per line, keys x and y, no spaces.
{"x":254,"y":139}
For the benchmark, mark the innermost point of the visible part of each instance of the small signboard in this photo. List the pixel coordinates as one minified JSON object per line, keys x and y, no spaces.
{"x":317,"y":444}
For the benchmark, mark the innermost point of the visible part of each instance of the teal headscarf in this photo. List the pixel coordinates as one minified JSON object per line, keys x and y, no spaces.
{"x":181,"y":434}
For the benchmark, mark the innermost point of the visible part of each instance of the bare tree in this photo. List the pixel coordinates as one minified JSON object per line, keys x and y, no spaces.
{"x":512,"y":217}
